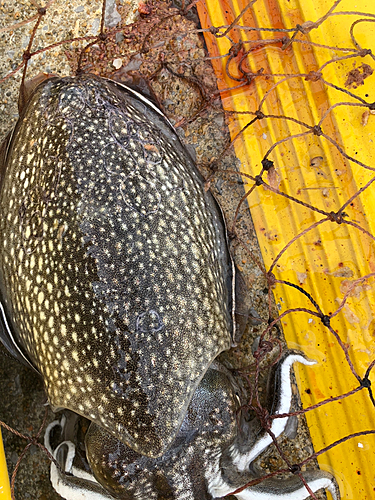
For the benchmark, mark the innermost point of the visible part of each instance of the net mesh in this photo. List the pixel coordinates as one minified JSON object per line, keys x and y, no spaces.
{"x":294,"y":86}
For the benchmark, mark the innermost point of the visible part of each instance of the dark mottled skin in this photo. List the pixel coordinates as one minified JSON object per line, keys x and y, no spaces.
{"x":113,"y":264}
{"x":182,"y":469}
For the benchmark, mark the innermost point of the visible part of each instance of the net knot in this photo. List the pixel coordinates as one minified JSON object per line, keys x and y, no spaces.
{"x":366,"y":383}
{"x":365,"y":52}
{"x":235,"y":49}
{"x":214,"y":30}
{"x":295,"y":469}
{"x":306,"y":27}
{"x":313,"y":76}
{"x":258,"y":180}
{"x":317,"y":130}
{"x":271,"y":279}
{"x":326,"y":320}
{"x":335,"y":217}
{"x":267,"y":164}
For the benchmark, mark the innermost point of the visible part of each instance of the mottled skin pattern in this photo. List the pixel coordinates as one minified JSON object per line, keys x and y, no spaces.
{"x":110,"y":237}
{"x":116,"y":284}
{"x":181,"y":471}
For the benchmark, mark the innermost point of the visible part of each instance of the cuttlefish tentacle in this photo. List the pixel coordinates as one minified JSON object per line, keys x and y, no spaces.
{"x":278,"y":489}
{"x":292,"y":488}
{"x":76,"y":483}
{"x":234,"y":468}
{"x":246,"y":448}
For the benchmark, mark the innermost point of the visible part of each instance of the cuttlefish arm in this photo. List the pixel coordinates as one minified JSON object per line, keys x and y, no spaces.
{"x":235,"y":467}
{"x":71,"y":482}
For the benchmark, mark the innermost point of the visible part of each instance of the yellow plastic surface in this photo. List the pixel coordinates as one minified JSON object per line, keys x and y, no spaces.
{"x":326,"y":260}
{"x":4,"y":480}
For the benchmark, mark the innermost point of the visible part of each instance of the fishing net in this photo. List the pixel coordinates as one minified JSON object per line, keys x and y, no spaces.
{"x":293,"y":84}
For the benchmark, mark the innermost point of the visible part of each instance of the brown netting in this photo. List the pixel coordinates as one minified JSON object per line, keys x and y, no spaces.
{"x":164,"y":46}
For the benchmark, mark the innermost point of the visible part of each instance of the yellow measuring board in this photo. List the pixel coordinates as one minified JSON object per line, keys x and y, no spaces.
{"x":4,"y":480}
{"x":324,"y":261}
